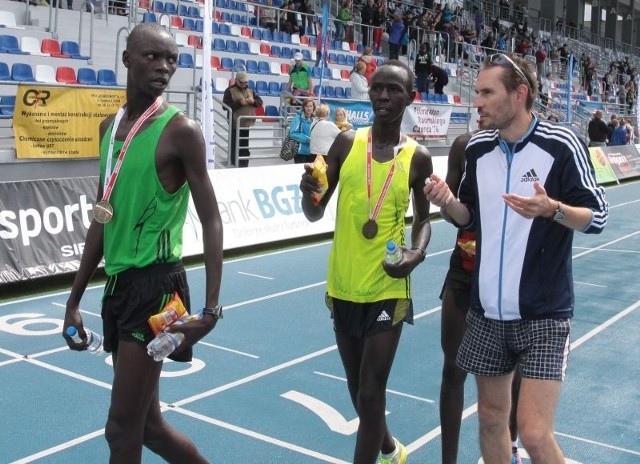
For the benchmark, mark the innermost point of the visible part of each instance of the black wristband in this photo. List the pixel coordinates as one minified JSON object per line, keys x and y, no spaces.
{"x":216,"y":311}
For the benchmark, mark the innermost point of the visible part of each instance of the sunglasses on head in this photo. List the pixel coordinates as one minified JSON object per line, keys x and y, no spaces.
{"x":500,"y":59}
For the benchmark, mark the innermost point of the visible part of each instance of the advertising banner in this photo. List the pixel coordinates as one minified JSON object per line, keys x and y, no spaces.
{"x":624,"y":160}
{"x":604,"y":171}
{"x":61,"y":122}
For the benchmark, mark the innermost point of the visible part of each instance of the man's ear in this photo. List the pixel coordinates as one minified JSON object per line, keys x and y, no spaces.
{"x":125,"y":58}
{"x":412,"y":96}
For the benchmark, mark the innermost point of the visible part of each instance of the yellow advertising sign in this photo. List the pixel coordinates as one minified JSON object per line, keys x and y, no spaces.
{"x":61,"y":122}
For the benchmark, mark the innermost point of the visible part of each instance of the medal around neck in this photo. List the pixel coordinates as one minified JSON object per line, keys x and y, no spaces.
{"x":370,"y":229}
{"x":103,"y":212}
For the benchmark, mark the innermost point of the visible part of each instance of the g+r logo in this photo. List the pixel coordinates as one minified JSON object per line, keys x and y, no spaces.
{"x":32,"y":97}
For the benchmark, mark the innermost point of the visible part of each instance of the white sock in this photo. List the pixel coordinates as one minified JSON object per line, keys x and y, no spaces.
{"x":392,"y":453}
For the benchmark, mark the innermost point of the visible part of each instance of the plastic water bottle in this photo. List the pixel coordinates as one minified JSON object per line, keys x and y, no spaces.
{"x":94,"y":340}
{"x":394,"y":253}
{"x":164,"y":344}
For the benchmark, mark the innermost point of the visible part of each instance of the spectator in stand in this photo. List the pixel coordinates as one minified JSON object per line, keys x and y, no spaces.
{"x":300,"y":83}
{"x":359,"y":83}
{"x":541,"y":56}
{"x":300,"y":130}
{"x":340,"y":120}
{"x":379,"y":22}
{"x":479,"y":22}
{"x":489,"y":43}
{"x":620,"y":135}
{"x":613,"y":123}
{"x":289,"y":18}
{"x":597,"y":130}
{"x":243,"y":102}
{"x":306,"y":10}
{"x":268,"y":16}
{"x":395,"y":38}
{"x":323,"y":132}
{"x":341,"y":23}
{"x":447,"y":14}
{"x":423,"y":68}
{"x":370,"y":62}
{"x":327,"y":46}
{"x":440,"y":79}
{"x":366,"y":18}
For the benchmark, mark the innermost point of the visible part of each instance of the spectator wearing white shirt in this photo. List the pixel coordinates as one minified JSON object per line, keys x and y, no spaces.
{"x":359,"y":83}
{"x":323,"y":132}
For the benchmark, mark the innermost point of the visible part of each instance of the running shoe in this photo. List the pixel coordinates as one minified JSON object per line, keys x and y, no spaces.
{"x":516,"y":459}
{"x":399,"y":456}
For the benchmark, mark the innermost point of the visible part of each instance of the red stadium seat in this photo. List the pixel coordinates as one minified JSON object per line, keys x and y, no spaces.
{"x":66,"y":75}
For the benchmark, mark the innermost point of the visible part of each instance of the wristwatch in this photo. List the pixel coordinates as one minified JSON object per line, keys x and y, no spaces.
{"x":558,"y":215}
{"x":216,"y":311}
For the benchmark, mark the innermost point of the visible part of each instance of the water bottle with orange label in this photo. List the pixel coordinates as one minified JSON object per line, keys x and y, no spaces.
{"x":173,"y":311}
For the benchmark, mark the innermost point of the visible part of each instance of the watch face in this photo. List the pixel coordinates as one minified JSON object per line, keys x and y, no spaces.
{"x":559,"y":216}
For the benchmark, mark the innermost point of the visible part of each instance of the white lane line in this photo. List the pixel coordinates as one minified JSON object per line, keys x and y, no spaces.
{"x":393,"y":392}
{"x":600,"y":247}
{"x":598,"y":443}
{"x":60,"y":447}
{"x":255,"y":275}
{"x":261,"y":437}
{"x":589,"y":284}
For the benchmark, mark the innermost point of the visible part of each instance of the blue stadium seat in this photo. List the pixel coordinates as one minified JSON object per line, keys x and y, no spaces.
{"x":87,"y":76}
{"x":71,"y":48}
{"x":182,"y":10}
{"x":351,"y":61}
{"x":170,"y":8}
{"x":274,"y":89}
{"x":193,"y":12}
{"x":333,"y":57}
{"x":7,"y":104}
{"x":256,"y":33}
{"x":158,"y":6}
{"x":340,"y":93}
{"x":316,"y":72}
{"x":284,"y":86}
{"x":22,"y":72}
{"x":264,"y":67}
{"x":251,"y":84}
{"x":235,"y":18}
{"x":271,"y":110}
{"x":107,"y":77}
{"x":312,"y":40}
{"x":221,"y":3}
{"x":276,"y":50}
{"x":149,"y":17}
{"x":266,"y":35}
{"x":185,"y":60}
{"x":219,"y":45}
{"x":262,"y":88}
{"x":287,"y":53}
{"x":226,"y":63}
{"x":5,"y":74}
{"x":347,"y":90}
{"x":239,"y":63}
{"x":342,"y":59}
{"x":10,"y":44}
{"x":226,"y":16}
{"x":200,"y":25}
{"x":232,"y":46}
{"x":277,"y":36}
{"x":252,"y":66}
{"x":243,"y":47}
{"x":330,"y":91}
{"x":224,"y":29}
{"x":189,"y":24}
{"x":286,"y":37}
{"x":306,"y":54}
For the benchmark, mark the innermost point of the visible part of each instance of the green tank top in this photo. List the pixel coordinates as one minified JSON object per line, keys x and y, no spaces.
{"x":355,"y":270}
{"x":147,"y":221}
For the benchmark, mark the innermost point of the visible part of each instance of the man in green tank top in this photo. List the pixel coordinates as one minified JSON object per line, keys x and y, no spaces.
{"x":152,"y":157}
{"x":379,"y":169}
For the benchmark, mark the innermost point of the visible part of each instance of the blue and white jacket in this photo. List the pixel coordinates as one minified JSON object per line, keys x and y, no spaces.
{"x":523,"y":266}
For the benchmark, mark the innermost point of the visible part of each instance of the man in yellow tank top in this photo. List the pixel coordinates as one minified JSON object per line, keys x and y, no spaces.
{"x":379,"y":169}
{"x":138,"y":231}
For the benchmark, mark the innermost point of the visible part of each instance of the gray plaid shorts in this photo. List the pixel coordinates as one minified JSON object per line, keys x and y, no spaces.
{"x":492,"y":348}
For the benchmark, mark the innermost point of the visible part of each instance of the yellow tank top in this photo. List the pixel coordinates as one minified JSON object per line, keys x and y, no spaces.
{"x":355,"y":270}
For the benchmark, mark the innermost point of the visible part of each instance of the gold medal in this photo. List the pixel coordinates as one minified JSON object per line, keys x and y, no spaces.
{"x":103,"y":212}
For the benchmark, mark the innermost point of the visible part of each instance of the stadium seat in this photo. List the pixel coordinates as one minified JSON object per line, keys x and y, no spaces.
{"x":220,"y":85}
{"x":31,"y":45}
{"x":170,"y":8}
{"x":274,"y":68}
{"x":71,"y":48}
{"x":340,"y":93}
{"x":87,"y":76}
{"x":351,"y":61}
{"x":226,"y":63}
{"x":215,"y":63}
{"x":232,"y":46}
{"x":157,"y":6}
{"x":185,"y":60}
{"x":266,"y":35}
{"x":7,"y":104}
{"x":330,"y":91}
{"x":200,"y":26}
{"x":285,"y":68}
{"x":45,"y":73}
{"x":264,"y":67}
{"x":243,"y":48}
{"x":10,"y":44}
{"x":176,"y":22}
{"x":347,"y":90}
{"x":342,"y":59}
{"x":316,"y":72}
{"x":149,"y":17}
{"x":276,"y":50}
{"x":254,"y":48}
{"x":333,"y":57}
{"x":256,"y":33}
{"x":107,"y":77}
{"x":239,"y":64}
{"x":274,"y":89}
{"x":194,"y":41}
{"x":252,"y":66}
{"x":219,"y":45}
{"x":189,"y":24}
{"x":5,"y":74}
{"x":265,"y":49}
{"x":8,"y":19}
{"x":304,"y":40}
{"x":262,"y":88}
{"x":345,"y":75}
{"x":245,"y":31}
{"x":22,"y":72}
{"x":144,"y":5}
{"x":193,"y":12}
{"x":306,"y":55}
{"x":51,"y":47}
{"x":271,"y":110}
{"x":182,"y":39}
{"x":66,"y":75}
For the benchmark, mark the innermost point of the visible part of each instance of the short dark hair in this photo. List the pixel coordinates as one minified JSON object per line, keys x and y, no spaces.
{"x":516,"y":71}
{"x":400,"y":64}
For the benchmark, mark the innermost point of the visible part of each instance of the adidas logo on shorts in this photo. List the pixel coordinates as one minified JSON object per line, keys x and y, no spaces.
{"x":383,"y":317}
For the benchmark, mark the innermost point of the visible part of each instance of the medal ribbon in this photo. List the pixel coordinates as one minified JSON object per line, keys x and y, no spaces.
{"x":385,"y":188}
{"x":110,"y":177}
